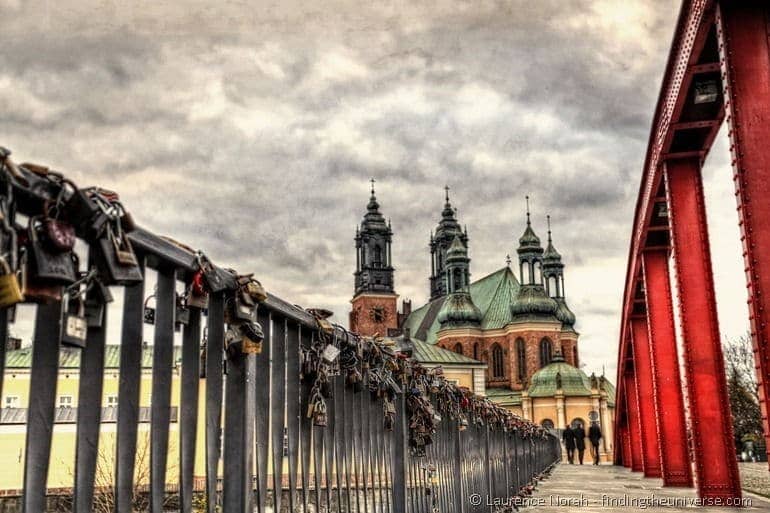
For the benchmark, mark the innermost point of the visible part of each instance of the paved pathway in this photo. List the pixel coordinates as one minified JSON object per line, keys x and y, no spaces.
{"x":611,"y":489}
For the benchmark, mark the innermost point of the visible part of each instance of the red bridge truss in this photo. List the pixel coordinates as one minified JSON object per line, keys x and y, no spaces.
{"x":718,"y":68}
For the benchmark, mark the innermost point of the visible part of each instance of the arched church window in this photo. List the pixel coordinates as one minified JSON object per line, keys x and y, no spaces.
{"x":521,"y":359}
{"x":476,"y":351}
{"x":546,"y":352}
{"x":498,"y":368}
{"x":377,"y":256}
{"x":458,"y":348}
{"x":538,"y":275}
{"x":457,"y":283}
{"x":578,"y":422}
{"x":553,"y":290}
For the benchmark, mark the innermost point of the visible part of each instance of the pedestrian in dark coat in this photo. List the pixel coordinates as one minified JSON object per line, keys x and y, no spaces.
{"x":580,"y":441}
{"x":569,"y":442}
{"x":595,"y":434}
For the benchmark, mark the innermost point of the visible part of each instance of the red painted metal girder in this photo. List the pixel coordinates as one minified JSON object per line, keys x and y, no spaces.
{"x":645,"y":392}
{"x":625,"y":440}
{"x":672,"y":435}
{"x":634,"y":425}
{"x":743,"y":36}
{"x":710,"y":422}
{"x":693,"y":25}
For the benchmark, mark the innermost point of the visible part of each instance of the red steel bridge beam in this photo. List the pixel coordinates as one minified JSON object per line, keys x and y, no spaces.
{"x":634,"y":426}
{"x":742,"y":32}
{"x":645,"y":391}
{"x":711,"y":425}
{"x":672,"y":435}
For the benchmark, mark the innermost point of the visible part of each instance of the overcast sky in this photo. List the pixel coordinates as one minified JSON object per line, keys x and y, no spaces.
{"x":251,"y":130}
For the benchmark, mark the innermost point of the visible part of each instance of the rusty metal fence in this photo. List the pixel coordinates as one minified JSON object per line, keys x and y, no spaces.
{"x":300,"y":415}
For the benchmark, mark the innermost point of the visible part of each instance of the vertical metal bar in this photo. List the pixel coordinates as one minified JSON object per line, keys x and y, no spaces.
{"x":358,"y":435}
{"x":346,"y":435}
{"x":398,"y":454}
{"x":306,"y":424}
{"x":278,"y":405}
{"x":214,"y":382}
{"x":377,"y":415}
{"x":42,"y":405}
{"x":318,"y":452}
{"x":237,"y":494}
{"x":487,"y":465}
{"x":386,"y":457}
{"x":162,"y":362}
{"x":131,"y":348}
{"x":188,"y":406}
{"x":341,"y":441}
{"x":329,"y":444}
{"x":293,"y":404}
{"x":3,"y":345}
{"x":262,"y":408}
{"x":89,"y":413}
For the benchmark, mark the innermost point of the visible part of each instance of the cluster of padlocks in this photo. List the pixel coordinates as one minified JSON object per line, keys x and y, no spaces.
{"x":386,"y":371}
{"x":39,"y":263}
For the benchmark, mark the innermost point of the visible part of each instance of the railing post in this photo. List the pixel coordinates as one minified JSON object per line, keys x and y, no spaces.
{"x":487,"y":468}
{"x":399,"y":456}
{"x":42,"y":405}
{"x":237,"y":496}
{"x":214,"y":382}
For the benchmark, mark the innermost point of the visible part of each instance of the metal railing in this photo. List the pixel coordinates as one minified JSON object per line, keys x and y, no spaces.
{"x":412,"y":442}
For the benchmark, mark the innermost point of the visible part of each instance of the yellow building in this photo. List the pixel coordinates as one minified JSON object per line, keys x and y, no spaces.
{"x":13,"y":417}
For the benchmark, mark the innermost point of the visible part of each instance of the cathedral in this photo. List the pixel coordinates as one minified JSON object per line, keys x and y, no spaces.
{"x":513,"y":323}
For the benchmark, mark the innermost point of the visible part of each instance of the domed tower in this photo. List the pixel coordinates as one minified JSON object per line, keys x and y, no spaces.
{"x":532,"y":302}
{"x":448,"y":228}
{"x":458,"y":309}
{"x":374,"y":303}
{"x":553,"y":274}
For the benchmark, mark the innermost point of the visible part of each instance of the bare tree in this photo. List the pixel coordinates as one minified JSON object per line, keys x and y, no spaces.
{"x":739,"y":360}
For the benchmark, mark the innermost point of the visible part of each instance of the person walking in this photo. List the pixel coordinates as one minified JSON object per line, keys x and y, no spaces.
{"x":595,"y":434}
{"x":569,"y":443}
{"x":580,"y":440}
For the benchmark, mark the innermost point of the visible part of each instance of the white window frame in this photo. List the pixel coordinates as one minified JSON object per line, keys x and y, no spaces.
{"x":112,"y":400}
{"x":70,"y":399}
{"x":11,"y":401}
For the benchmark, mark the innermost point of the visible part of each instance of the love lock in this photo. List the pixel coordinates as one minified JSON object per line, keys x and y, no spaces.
{"x":75,"y":324}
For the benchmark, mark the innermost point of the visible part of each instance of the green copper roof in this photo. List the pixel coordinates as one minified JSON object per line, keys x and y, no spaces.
{"x":564,"y":314}
{"x":457,"y":249}
{"x":504,"y":396}
{"x":429,"y":353}
{"x":609,"y":388}
{"x":573,"y":381}
{"x":532,"y":302}
{"x":69,"y":358}
{"x":492,"y":295}
{"x":459,"y":310}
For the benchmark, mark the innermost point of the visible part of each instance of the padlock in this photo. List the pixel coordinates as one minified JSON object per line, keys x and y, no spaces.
{"x":10,"y":290}
{"x":182,"y":312}
{"x":149,"y":312}
{"x":240,"y":307}
{"x":196,"y":292}
{"x":214,"y":281}
{"x":75,"y":325}
{"x":320,"y":417}
{"x":330,"y":353}
{"x":252,"y":337}
{"x":123,"y":250}
{"x":36,"y":291}
{"x":95,"y":303}
{"x":47,"y":265}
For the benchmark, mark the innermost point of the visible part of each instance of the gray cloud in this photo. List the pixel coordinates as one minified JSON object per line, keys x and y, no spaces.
{"x":251,"y":130}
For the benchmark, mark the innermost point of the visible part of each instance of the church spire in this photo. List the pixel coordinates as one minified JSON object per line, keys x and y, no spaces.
{"x":374,"y":270}
{"x":448,"y":228}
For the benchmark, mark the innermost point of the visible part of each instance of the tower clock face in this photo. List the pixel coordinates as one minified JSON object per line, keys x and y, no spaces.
{"x":378,"y":313}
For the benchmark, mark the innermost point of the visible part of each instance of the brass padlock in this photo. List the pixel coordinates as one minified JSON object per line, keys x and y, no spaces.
{"x":75,"y":325}
{"x":10,"y":290}
{"x":124,"y":253}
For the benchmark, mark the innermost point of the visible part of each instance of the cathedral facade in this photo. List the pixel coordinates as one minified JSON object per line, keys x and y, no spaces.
{"x":514,"y":321}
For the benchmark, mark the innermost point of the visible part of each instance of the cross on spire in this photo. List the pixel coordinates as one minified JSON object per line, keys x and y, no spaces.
{"x":508,"y":260}
{"x":548,"y":220}
{"x":446,"y":189}
{"x":372,"y":182}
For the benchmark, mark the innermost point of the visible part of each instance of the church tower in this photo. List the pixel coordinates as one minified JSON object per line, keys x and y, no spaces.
{"x":448,"y":228}
{"x":553,"y":275}
{"x":374,"y":302}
